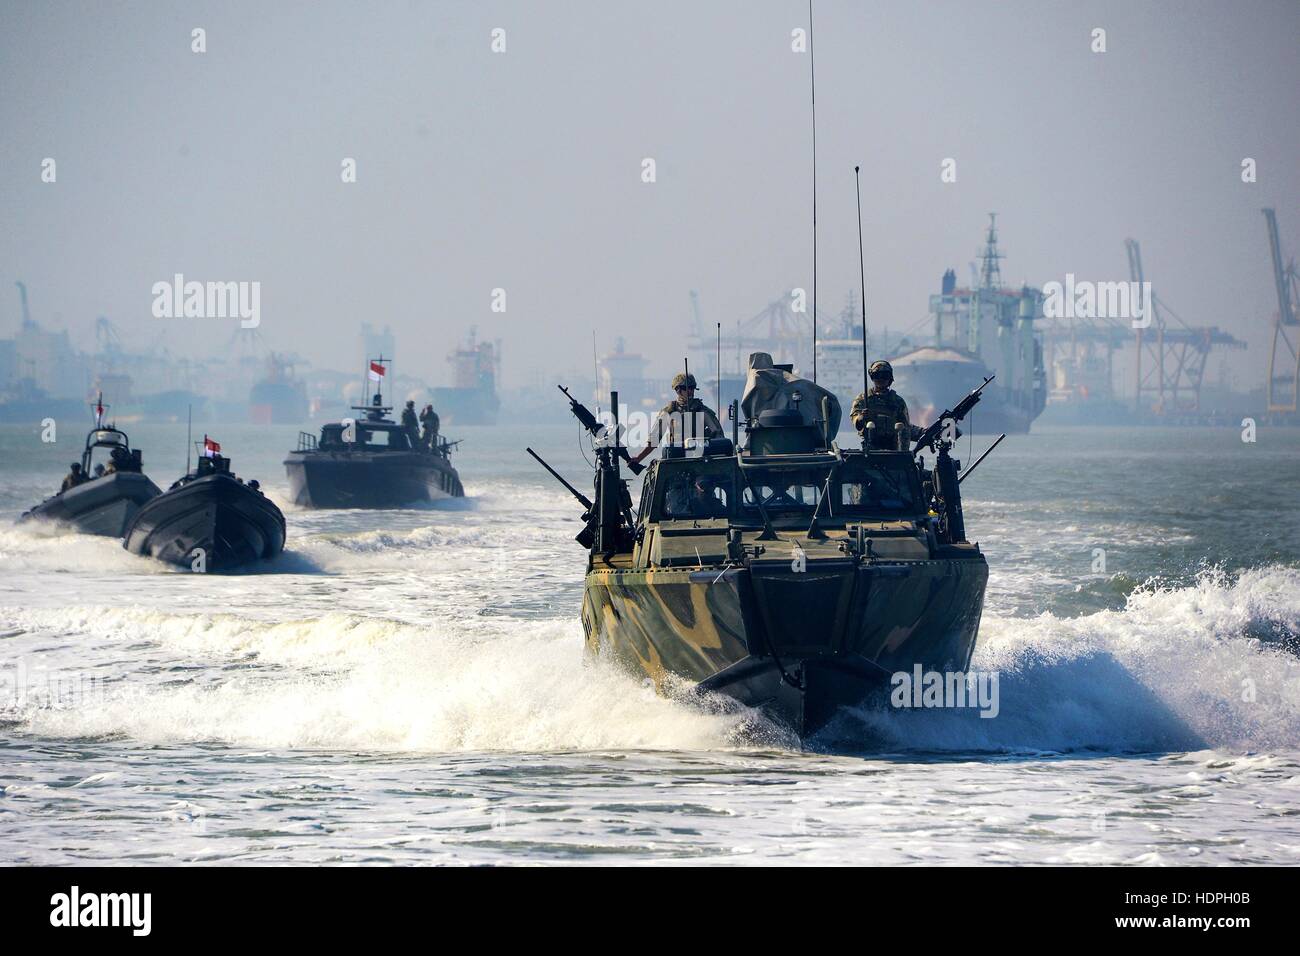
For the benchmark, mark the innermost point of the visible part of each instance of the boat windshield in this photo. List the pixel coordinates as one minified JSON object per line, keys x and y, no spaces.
{"x":381,"y":438}
{"x":888,"y":488}
{"x":364,"y":436}
{"x":107,"y":450}
{"x":882,"y":486}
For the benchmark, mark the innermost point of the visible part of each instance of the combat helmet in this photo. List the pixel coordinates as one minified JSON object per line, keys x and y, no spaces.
{"x":881,"y":369}
{"x":683,"y":380}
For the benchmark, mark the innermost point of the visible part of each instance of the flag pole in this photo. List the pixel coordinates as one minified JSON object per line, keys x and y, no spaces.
{"x":189,"y":435}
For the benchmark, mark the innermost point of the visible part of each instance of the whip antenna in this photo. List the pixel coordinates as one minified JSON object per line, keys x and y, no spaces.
{"x":812,"y":76}
{"x":719,"y":365}
{"x":862,"y":273}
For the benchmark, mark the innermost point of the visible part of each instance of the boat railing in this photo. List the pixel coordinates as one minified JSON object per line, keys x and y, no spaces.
{"x":306,"y":441}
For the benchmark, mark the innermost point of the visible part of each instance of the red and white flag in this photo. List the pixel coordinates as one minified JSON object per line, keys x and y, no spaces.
{"x":377,"y":372}
{"x":210,"y":448}
{"x":99,"y":414}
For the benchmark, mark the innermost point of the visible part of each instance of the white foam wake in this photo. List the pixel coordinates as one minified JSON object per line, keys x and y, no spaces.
{"x":1206,"y":666}
{"x":340,"y":682}
{"x":1211,"y":665}
{"x":46,"y":547}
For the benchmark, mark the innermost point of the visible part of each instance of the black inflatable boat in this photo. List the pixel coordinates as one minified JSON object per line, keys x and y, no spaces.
{"x":208,"y":521}
{"x":103,"y":504}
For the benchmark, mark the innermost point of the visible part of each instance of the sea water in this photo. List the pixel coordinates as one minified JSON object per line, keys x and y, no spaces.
{"x":409,"y":686}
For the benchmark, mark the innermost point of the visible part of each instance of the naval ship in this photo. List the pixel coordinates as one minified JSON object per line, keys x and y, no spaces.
{"x":370,"y":461}
{"x":781,"y":570}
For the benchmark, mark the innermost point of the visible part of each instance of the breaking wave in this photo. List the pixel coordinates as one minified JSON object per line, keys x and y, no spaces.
{"x":1212,"y":665}
{"x":340,"y":682}
{"x":54,"y":548}
{"x":1208,"y":666}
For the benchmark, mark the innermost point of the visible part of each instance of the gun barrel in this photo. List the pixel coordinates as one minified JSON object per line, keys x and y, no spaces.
{"x":956,"y":414}
{"x":965,"y":474}
{"x":589,"y":422}
{"x":582,"y":499}
{"x":969,"y":402}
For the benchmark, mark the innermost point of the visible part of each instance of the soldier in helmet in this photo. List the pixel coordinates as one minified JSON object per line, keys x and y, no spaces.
{"x":74,"y":477}
{"x":119,"y":459}
{"x":885,"y":408}
{"x":685,"y":414}
{"x":429,"y":423}
{"x":410,"y":424}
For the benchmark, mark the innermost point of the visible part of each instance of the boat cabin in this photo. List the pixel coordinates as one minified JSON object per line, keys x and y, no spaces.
{"x":366,"y":436}
{"x":784,"y":491}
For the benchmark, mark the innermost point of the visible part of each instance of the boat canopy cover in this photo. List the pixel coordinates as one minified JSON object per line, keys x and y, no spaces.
{"x":769,"y":387}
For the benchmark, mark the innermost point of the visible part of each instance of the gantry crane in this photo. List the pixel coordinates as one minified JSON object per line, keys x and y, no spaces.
{"x":1283,"y":376}
{"x":1176,"y":353}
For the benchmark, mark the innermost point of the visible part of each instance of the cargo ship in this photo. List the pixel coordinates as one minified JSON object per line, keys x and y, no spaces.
{"x":279,"y":398}
{"x":986,"y":329}
{"x":472,"y":400}
{"x":840,"y":357}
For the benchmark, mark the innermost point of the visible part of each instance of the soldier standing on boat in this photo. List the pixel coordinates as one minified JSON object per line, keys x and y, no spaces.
{"x":409,"y":423}
{"x":429,"y":423}
{"x":685,"y":414}
{"x":884,"y":408}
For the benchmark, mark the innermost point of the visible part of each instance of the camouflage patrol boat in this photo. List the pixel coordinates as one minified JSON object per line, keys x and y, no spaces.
{"x":784,"y":571}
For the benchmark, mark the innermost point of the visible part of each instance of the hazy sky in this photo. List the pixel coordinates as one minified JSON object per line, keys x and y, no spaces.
{"x":522,"y":170}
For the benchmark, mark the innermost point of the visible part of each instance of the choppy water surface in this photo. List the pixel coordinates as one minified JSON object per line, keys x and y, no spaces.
{"x":409,"y":686}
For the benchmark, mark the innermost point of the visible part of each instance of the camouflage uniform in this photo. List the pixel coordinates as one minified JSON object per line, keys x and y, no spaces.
{"x":429,"y":422}
{"x":74,"y":477}
{"x":692,"y":416}
{"x":677,"y":413}
{"x":885,"y":407}
{"x":410,"y":424}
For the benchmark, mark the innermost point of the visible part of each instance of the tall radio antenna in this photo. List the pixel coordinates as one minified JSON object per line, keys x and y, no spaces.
{"x":862,"y":273}
{"x":812,"y":74}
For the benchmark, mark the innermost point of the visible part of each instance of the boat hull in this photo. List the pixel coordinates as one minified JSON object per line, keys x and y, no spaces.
{"x":466,"y":406}
{"x":931,"y":385}
{"x":320,"y":479}
{"x":102,"y":506}
{"x":798,"y":645}
{"x":214,"y":523}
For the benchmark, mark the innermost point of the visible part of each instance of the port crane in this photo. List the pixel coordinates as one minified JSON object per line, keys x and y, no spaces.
{"x":1170,"y":354}
{"x":1284,"y":359}
{"x":1170,"y":361}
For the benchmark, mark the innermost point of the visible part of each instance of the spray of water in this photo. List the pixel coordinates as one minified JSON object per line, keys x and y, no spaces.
{"x":1207,"y":666}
